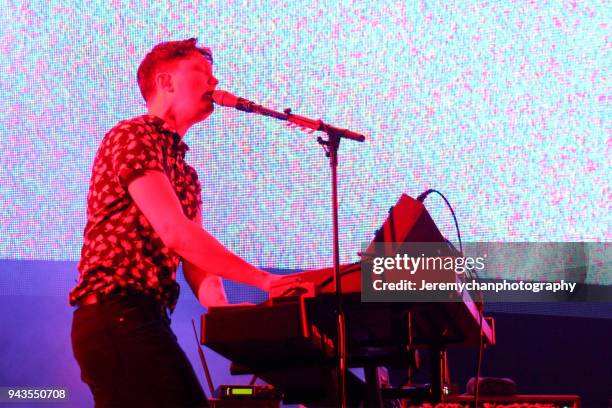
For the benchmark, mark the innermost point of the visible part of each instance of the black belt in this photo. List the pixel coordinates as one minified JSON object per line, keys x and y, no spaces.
{"x":130,"y":296}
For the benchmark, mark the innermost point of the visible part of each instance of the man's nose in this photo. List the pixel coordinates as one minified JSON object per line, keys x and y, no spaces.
{"x":213,"y":82}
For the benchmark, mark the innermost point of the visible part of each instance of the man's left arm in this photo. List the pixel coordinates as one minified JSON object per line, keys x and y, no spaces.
{"x":207,"y":288}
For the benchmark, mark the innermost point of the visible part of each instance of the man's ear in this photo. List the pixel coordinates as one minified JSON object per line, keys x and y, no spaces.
{"x":164,"y":82}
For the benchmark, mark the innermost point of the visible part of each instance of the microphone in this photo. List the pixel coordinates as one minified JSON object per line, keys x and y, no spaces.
{"x":225,"y":98}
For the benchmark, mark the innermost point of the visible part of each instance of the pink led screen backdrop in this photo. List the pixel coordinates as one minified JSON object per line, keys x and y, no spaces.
{"x":502,"y":106}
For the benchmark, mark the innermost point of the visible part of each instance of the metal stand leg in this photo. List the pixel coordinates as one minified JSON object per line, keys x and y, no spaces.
{"x":440,"y":376}
{"x":373,"y":397}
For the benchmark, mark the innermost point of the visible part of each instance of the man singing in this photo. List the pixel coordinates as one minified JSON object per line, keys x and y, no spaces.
{"x":144,"y":216}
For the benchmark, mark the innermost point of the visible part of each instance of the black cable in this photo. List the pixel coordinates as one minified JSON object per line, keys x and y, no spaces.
{"x":480,"y":353}
{"x":422,"y":198}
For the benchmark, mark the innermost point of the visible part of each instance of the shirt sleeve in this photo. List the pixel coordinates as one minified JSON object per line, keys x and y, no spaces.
{"x":135,"y":151}
{"x":196,"y":186}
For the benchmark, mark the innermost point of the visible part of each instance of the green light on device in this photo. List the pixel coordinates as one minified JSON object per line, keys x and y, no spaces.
{"x":241,"y":391}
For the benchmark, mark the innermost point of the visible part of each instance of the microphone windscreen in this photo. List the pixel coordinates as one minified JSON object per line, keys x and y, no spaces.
{"x":224,"y":98}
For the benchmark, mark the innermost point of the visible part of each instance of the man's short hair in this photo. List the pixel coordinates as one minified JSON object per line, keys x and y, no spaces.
{"x":160,"y":56}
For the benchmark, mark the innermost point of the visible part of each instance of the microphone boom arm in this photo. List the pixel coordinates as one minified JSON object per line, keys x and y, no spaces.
{"x":302,"y":121}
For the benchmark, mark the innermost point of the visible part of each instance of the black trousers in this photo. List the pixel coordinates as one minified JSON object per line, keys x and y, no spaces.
{"x":129,"y":356}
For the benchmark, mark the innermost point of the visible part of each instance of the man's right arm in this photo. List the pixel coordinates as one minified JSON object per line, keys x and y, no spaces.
{"x":155,"y":197}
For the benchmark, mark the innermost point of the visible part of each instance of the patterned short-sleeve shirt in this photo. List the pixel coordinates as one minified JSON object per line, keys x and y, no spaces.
{"x":121,"y":251}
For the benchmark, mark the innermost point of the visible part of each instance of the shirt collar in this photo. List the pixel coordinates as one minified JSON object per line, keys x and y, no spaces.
{"x":163,"y":127}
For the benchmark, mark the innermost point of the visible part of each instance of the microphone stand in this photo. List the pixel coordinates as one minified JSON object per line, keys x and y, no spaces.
{"x":331,"y":147}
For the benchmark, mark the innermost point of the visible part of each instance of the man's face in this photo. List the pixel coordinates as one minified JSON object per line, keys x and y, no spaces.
{"x":193,"y":84}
